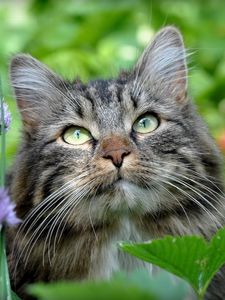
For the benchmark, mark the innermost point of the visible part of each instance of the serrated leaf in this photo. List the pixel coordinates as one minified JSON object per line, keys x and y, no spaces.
{"x":189,"y":257}
{"x":215,"y":257}
{"x":180,"y":256}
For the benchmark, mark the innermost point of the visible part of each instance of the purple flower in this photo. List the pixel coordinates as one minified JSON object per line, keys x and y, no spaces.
{"x":7,"y":117}
{"x":7,"y":213}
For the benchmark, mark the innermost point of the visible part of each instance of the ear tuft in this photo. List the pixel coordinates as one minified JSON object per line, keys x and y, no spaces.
{"x":162,"y":67}
{"x":35,"y":87}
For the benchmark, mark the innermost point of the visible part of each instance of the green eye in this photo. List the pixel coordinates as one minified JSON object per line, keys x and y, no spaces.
{"x":76,"y":135}
{"x":146,"y":123}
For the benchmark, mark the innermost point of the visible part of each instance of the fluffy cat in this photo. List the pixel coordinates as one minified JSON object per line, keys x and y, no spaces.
{"x":119,"y":159}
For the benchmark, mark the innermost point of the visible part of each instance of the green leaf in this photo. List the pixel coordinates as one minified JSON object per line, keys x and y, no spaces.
{"x":114,"y":290}
{"x":215,"y":257}
{"x":137,"y":285}
{"x":189,"y":257}
{"x":177,"y":255}
{"x":14,"y":296}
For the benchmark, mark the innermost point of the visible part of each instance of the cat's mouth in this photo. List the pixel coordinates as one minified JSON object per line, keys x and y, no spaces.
{"x":119,"y":185}
{"x":124,"y":196}
{"x":124,"y":189}
{"x":111,"y":187}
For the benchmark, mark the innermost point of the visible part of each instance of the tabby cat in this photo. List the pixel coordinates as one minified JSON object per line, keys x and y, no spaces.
{"x":119,"y":159}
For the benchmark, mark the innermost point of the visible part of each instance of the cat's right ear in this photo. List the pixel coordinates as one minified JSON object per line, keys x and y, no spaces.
{"x":34,"y":87}
{"x":162,"y":68}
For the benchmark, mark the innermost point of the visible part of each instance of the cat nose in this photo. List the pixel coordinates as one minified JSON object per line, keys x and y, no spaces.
{"x":115,"y":147}
{"x":116,"y":156}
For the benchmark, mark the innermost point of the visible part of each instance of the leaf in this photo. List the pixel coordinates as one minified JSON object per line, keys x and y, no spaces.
{"x":177,"y":255}
{"x":137,"y":285}
{"x":215,"y":257}
{"x":85,"y":291}
{"x":14,"y":296}
{"x":189,"y":257}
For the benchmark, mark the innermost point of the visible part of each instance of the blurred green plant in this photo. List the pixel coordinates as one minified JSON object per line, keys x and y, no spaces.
{"x":96,"y":38}
{"x":135,"y":286}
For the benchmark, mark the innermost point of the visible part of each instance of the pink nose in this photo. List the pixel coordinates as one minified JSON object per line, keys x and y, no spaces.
{"x":116,"y":156}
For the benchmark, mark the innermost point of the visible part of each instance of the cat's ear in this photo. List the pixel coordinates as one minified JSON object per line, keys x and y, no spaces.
{"x":162,"y":68}
{"x":35,"y":88}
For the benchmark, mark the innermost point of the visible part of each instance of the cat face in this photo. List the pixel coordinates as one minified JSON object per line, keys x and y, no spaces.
{"x":127,"y":146}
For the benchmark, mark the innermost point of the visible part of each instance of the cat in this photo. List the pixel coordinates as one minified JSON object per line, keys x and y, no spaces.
{"x":119,"y":159}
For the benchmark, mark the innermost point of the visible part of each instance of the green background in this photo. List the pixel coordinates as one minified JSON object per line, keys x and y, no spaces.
{"x":91,"y":39}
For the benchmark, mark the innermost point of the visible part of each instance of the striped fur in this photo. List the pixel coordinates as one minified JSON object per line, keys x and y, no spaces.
{"x":75,"y":204}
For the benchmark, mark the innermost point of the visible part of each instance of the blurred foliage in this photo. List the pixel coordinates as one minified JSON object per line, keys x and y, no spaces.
{"x":135,"y":286}
{"x":96,"y":38}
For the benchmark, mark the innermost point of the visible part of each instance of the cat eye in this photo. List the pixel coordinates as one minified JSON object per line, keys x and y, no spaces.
{"x":76,"y":135}
{"x":146,"y":123}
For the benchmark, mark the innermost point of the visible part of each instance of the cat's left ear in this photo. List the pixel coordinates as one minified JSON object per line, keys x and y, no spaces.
{"x":162,"y":68}
{"x":36,"y":89}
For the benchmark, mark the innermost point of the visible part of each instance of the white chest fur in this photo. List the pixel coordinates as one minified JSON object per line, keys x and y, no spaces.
{"x":109,"y":259}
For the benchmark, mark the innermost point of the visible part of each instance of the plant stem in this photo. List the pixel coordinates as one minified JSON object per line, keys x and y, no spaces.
{"x":200,"y":295}
{"x":2,"y":166}
{"x":5,"y":288}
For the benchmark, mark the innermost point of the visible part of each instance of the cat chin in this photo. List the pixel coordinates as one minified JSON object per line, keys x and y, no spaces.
{"x":139,"y":198}
{"x":126,"y":197}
